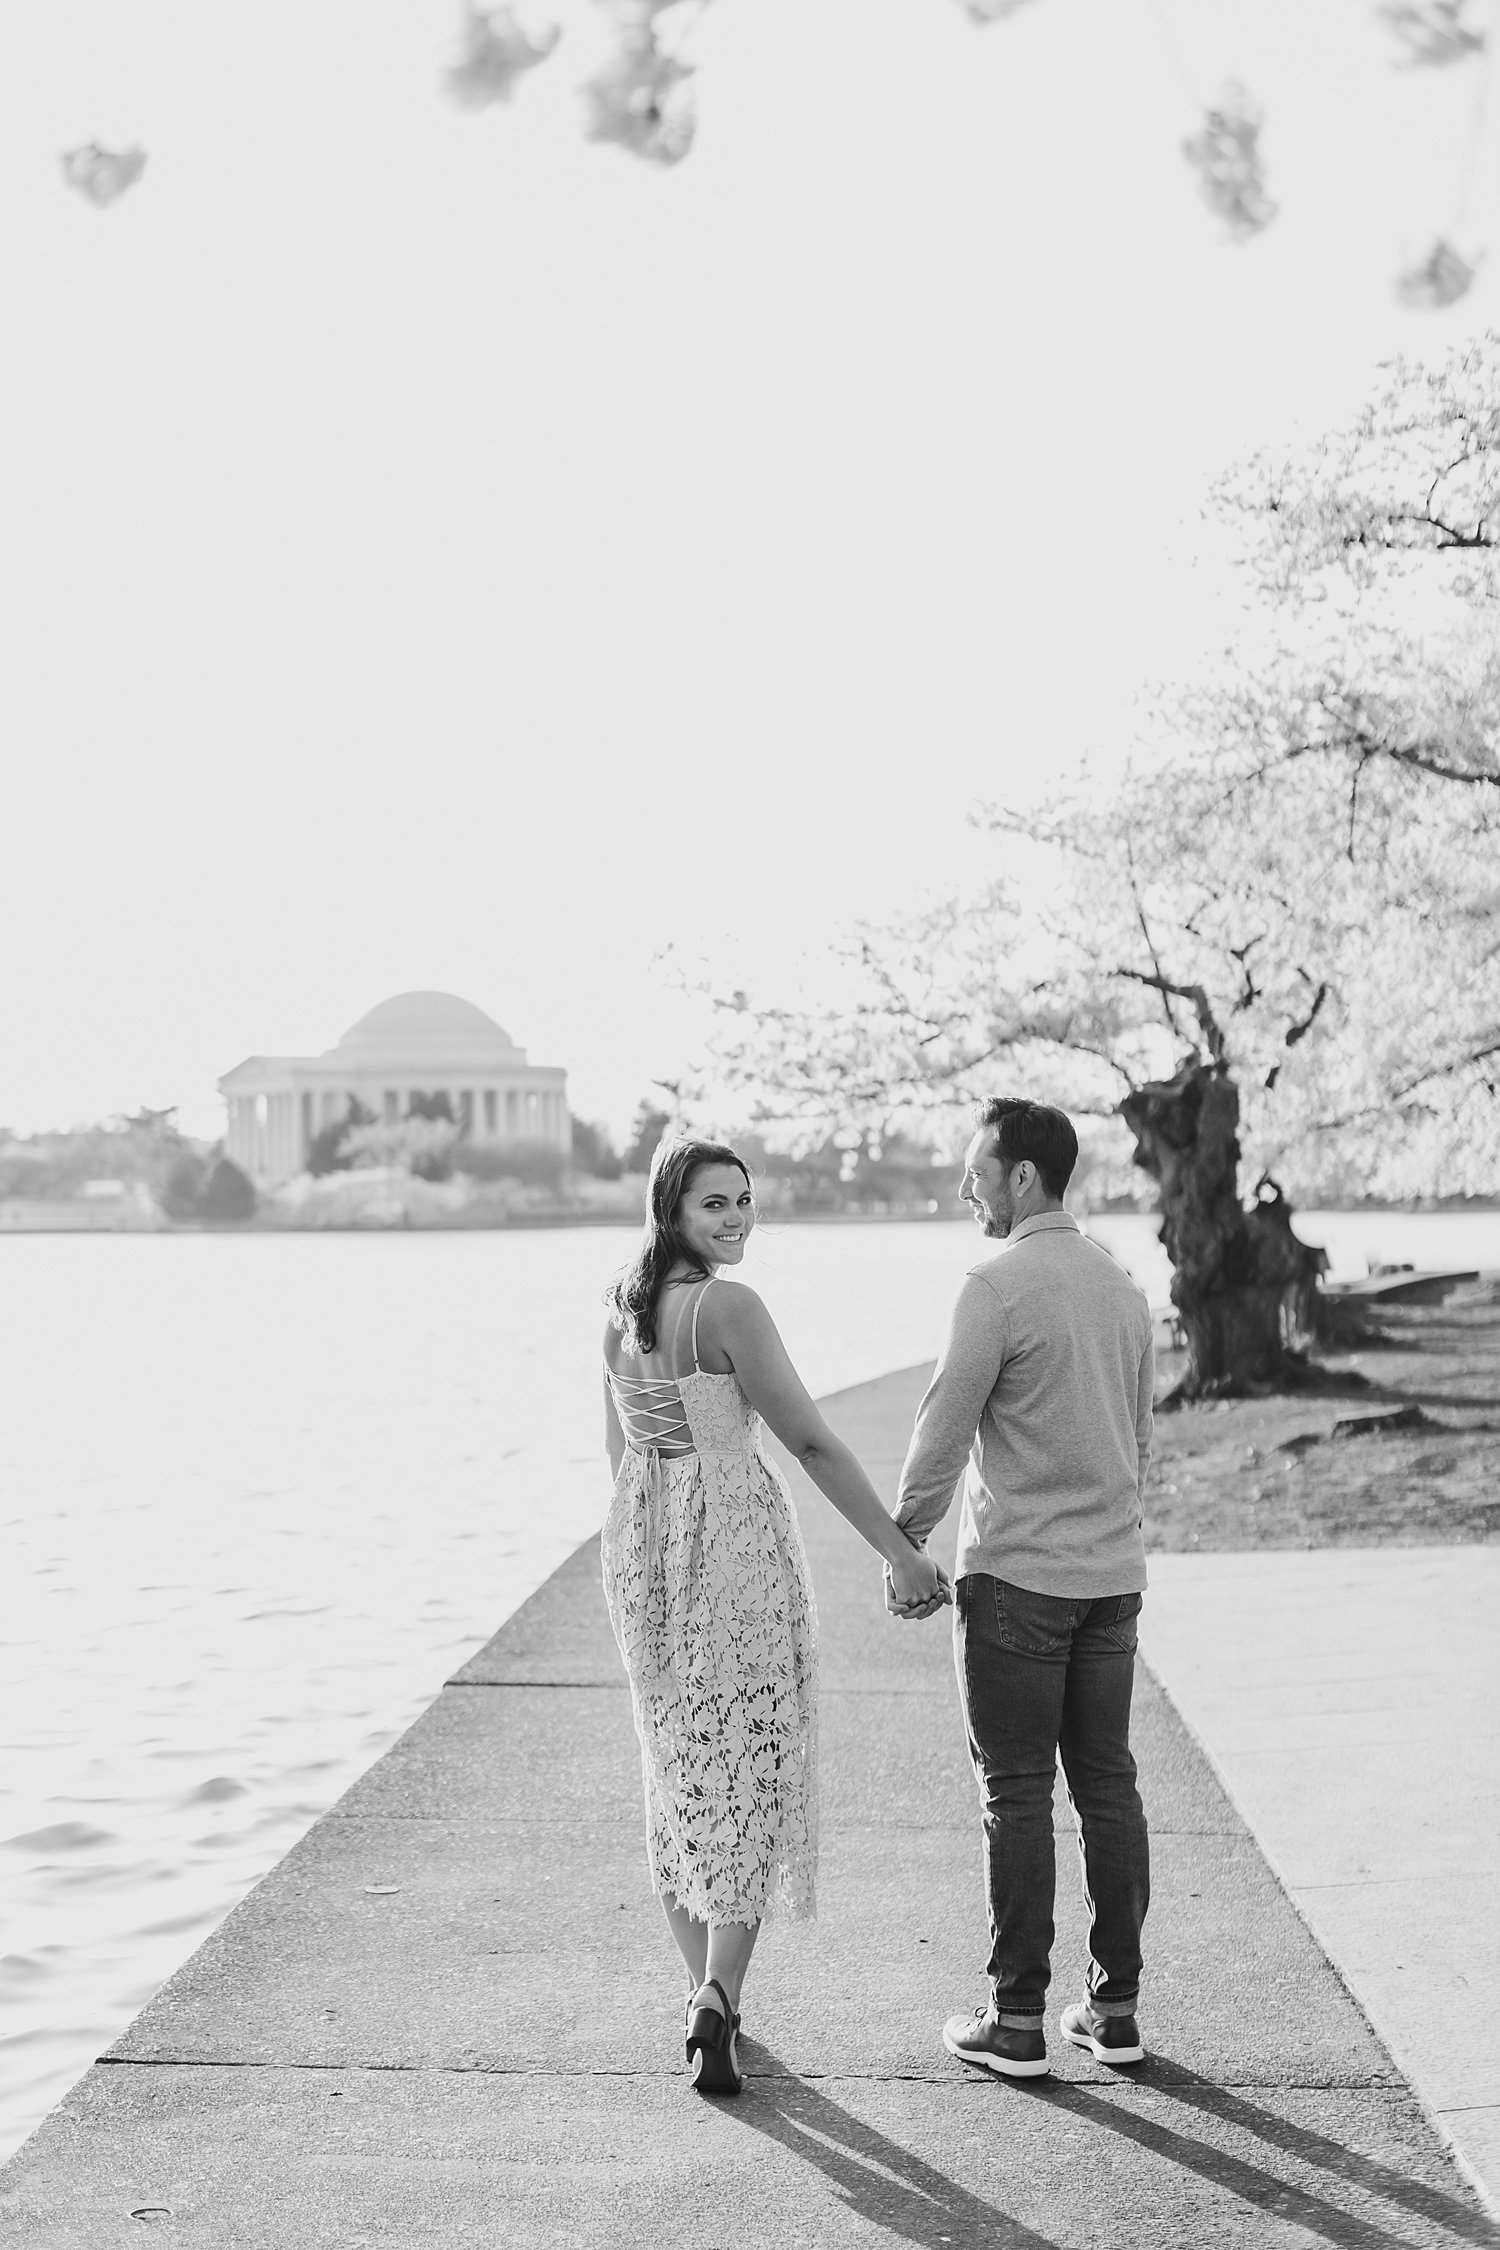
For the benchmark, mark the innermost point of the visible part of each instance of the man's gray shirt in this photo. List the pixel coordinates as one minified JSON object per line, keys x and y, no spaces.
{"x":1045,"y":1384}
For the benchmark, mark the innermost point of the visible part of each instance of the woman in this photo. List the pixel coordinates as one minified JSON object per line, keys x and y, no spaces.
{"x":707,"y":1585}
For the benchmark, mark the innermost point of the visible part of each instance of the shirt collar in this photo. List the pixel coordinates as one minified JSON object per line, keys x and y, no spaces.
{"x":1046,"y":1222}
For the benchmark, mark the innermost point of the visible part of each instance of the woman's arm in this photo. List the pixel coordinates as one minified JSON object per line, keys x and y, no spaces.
{"x":737,"y":1322}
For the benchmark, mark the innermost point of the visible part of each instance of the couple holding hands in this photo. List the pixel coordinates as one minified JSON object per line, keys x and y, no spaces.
{"x":1042,"y":1398}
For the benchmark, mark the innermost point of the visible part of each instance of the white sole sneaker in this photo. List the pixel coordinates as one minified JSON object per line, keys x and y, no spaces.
{"x":1002,"y":2065}
{"x":1096,"y":2047}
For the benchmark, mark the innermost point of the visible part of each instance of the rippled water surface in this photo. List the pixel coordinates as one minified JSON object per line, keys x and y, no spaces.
{"x":262,"y":1494}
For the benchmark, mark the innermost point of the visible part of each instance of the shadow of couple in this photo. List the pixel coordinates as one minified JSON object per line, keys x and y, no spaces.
{"x":878,"y":2179}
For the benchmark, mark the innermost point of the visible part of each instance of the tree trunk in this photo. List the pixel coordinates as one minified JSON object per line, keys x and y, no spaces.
{"x":1243,"y":1285}
{"x":1299,"y":1265}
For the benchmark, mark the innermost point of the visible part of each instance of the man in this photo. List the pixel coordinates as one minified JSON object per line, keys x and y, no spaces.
{"x":1045,"y":1384}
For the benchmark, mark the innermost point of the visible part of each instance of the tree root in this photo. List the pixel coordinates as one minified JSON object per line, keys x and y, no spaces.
{"x":1345,"y":1325}
{"x":1296,"y":1374}
{"x":1399,"y":1418}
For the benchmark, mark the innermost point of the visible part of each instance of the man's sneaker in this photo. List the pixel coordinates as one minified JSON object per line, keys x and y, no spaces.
{"x":1109,"y":2039}
{"x":982,"y":2038}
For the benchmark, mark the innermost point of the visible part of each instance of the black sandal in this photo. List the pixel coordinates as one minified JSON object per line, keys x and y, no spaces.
{"x":711,"y":2051}
{"x":687,"y":2013}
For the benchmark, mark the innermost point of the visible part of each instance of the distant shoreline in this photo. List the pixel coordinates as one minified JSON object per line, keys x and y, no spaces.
{"x":91,"y":1221}
{"x":521,"y":1222}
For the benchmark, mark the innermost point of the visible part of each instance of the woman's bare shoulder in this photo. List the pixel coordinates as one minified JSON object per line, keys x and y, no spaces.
{"x":731,"y":1304}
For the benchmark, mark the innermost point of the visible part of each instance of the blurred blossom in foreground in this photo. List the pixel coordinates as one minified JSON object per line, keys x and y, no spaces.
{"x":102,"y":174}
{"x":990,"y":11}
{"x":1435,"y":31}
{"x":643,"y":99}
{"x":497,"y":49}
{"x":1438,"y":279}
{"x":1226,"y":156}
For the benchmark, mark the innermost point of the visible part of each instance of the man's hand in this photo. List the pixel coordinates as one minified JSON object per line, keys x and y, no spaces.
{"x":916,"y":1587}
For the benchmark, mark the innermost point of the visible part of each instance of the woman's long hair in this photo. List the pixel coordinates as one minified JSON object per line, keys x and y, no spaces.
{"x":631,"y":1297}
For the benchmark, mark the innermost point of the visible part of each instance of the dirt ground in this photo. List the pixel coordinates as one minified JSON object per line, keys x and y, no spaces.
{"x":1270,"y":1472}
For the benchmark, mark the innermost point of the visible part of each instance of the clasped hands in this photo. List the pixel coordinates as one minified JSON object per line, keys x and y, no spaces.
{"x":916,"y":1587}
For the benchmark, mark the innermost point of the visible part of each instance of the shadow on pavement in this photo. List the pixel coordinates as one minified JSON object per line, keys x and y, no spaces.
{"x":875,"y":2177}
{"x":885,"y":2183}
{"x":1265,"y":2190}
{"x":1366,"y":2172}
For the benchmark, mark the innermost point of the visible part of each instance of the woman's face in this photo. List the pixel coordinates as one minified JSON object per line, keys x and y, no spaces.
{"x":716,"y":1214}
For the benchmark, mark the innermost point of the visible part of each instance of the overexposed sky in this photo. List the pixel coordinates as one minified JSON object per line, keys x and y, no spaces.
{"x":440,"y":552}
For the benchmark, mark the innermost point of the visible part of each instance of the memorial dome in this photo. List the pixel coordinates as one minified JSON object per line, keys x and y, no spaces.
{"x":417,"y":1021}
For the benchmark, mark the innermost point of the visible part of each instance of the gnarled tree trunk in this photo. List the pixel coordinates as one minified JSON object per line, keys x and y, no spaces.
{"x":1243,"y":1285}
{"x":1300,"y":1266}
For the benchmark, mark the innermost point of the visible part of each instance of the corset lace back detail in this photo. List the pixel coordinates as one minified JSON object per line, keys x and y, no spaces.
{"x":651,"y":1412}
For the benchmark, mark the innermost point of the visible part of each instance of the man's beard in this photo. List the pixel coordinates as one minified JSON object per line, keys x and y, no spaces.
{"x":995,"y":1225}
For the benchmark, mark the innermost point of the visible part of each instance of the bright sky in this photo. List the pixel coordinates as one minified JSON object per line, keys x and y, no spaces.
{"x":442,"y":553}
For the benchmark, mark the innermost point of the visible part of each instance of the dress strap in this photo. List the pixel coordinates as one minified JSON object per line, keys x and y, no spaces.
{"x":697,"y":1308}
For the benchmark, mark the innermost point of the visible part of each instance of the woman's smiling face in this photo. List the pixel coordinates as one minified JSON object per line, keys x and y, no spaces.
{"x":716,"y":1214}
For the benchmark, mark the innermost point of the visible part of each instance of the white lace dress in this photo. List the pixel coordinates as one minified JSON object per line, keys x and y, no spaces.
{"x":706,"y":1579}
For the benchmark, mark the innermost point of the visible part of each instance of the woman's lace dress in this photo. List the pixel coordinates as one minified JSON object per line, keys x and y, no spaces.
{"x":707,"y":1584}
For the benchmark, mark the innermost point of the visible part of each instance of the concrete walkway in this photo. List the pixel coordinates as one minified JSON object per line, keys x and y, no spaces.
{"x":451,"y":2015}
{"x":1350,"y":1701}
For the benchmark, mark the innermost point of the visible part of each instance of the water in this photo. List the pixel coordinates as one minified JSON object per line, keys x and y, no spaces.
{"x":1356,"y":1242}
{"x":262,"y":1494}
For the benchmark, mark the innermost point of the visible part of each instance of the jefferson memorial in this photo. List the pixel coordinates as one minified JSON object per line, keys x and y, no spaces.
{"x":418,"y":1043}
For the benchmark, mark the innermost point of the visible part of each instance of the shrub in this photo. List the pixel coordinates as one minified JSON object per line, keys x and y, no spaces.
{"x":649,"y":1126}
{"x":594,"y":1151}
{"x":419,"y":1145}
{"x":435,"y":1107}
{"x":227,"y":1192}
{"x":181,"y":1192}
{"x":327,"y":1151}
{"x":23,"y":1171}
{"x":535,"y":1163}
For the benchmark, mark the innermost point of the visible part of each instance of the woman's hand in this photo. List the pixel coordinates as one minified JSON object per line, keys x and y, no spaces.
{"x":914,"y":1585}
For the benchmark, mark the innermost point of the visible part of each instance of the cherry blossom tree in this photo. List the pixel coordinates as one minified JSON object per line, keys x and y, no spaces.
{"x":1435,"y":31}
{"x":642,"y":96}
{"x":1226,"y":155}
{"x":102,"y":174}
{"x":496,"y":50}
{"x":1270,"y":1011}
{"x":1404,"y":501}
{"x":1272,"y":950}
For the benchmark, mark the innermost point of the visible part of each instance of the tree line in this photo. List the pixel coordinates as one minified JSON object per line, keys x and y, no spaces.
{"x":187,"y":1179}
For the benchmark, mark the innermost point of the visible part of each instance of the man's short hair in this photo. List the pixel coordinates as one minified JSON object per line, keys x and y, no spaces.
{"x":1031,"y":1132}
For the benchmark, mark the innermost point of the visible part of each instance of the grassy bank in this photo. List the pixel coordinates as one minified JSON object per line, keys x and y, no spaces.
{"x":1282,"y":1472}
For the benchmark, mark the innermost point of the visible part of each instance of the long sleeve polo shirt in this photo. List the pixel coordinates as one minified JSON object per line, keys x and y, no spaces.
{"x":1044,"y":1391}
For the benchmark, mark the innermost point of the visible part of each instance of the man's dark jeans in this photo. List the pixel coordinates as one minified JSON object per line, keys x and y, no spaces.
{"x":1042,"y":1677}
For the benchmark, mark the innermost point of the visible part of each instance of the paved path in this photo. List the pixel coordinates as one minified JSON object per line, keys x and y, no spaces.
{"x":1350,"y":1701}
{"x":451,"y":2016}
